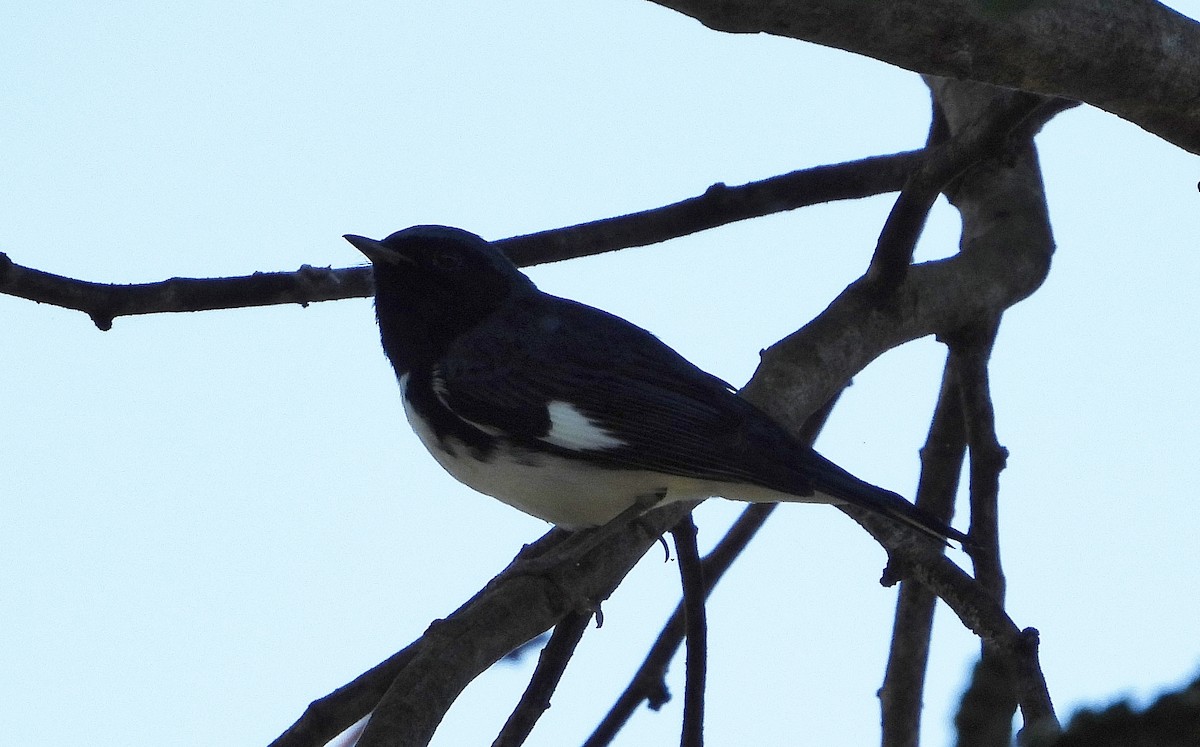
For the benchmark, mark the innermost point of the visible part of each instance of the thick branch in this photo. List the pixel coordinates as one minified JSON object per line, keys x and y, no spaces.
{"x":1004,"y":256}
{"x":984,"y":718}
{"x":1134,"y":58}
{"x":991,"y":133}
{"x":514,"y":607}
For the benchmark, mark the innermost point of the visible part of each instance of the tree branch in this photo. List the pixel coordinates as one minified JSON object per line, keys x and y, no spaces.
{"x":103,"y":302}
{"x":648,"y":683}
{"x":551,"y":665}
{"x":718,"y":206}
{"x":1008,"y":121}
{"x":695,"y":591}
{"x":984,"y":718}
{"x":512,"y":608}
{"x":1146,"y":74}
{"x":971,"y":349}
{"x":971,"y":346}
{"x":1004,"y":256}
{"x":900,"y":698}
{"x":333,"y":714}
{"x":987,"y":720}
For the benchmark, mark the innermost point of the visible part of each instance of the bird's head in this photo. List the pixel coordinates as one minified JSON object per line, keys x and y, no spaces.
{"x":432,"y":284}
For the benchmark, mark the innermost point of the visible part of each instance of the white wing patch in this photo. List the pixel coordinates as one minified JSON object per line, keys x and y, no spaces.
{"x":571,"y":429}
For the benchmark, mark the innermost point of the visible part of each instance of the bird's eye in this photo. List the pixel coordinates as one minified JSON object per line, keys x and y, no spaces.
{"x":447,"y":261}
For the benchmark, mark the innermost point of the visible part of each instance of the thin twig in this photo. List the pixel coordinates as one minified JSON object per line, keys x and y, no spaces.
{"x":648,"y":683}
{"x":691,"y":572}
{"x":717,"y":206}
{"x":550,"y":667}
{"x":904,"y":679}
{"x":103,"y":302}
{"x":971,"y":349}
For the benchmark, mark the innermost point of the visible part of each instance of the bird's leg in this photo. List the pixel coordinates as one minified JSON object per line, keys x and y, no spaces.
{"x":592,"y":538}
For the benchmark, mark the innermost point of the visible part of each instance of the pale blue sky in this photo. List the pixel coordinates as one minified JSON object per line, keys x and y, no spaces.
{"x":211,"y":519}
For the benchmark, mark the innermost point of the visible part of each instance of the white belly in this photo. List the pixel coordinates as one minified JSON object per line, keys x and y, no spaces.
{"x":573,"y":493}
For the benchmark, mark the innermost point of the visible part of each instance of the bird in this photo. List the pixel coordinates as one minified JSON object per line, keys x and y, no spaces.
{"x":572,"y":414}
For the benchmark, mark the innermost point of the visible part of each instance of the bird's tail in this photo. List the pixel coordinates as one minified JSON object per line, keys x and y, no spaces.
{"x":832,"y":480}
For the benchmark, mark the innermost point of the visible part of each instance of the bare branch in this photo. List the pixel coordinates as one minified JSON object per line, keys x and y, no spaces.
{"x":648,"y":683}
{"x":986,"y":716}
{"x":971,"y":349}
{"x":551,"y":665}
{"x":695,"y":591}
{"x":1004,"y":256}
{"x":333,"y":714}
{"x":103,"y":302}
{"x":1148,"y":74}
{"x":984,"y":719}
{"x":971,"y":346}
{"x":904,"y":679}
{"x":718,"y":206}
{"x":525,"y":599}
{"x":1008,"y":121}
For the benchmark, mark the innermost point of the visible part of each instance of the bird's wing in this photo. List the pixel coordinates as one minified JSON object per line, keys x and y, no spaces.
{"x":564,"y":376}
{"x":554,"y":374}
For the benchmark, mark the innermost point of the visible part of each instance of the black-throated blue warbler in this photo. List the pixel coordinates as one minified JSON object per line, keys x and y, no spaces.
{"x":567,"y":412}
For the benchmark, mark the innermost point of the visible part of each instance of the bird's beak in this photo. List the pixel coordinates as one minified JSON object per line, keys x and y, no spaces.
{"x":376,"y":251}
